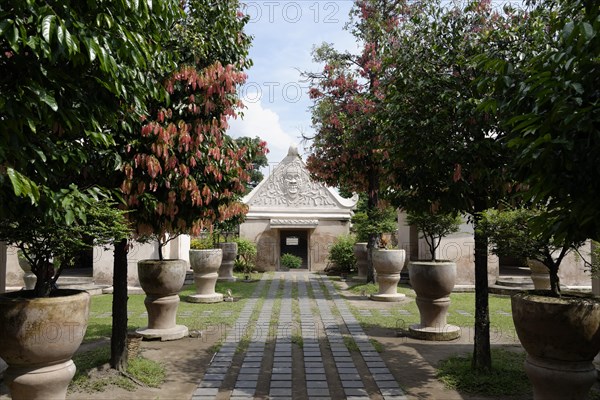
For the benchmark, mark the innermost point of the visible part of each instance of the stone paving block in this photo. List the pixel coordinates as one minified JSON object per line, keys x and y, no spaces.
{"x":250,"y":364}
{"x":283,"y":392}
{"x":315,"y":377}
{"x":243,"y":392}
{"x":313,"y":360}
{"x":312,"y":353}
{"x":213,"y":377}
{"x":383,"y":377}
{"x":316,"y":384}
{"x":249,"y":370}
{"x":376,"y":364}
{"x":317,"y":392}
{"x":282,"y":370}
{"x":347,"y":370}
{"x":349,"y":377}
{"x":342,"y":359}
{"x":220,"y":364}
{"x":248,"y":377}
{"x":246,"y":384}
{"x":352,"y":384}
{"x":206,"y":392}
{"x":282,"y":364}
{"x":210,"y":384}
{"x":379,"y":370}
{"x":281,"y":377}
{"x":388,"y":384}
{"x":344,"y":364}
{"x":355,"y":392}
{"x":315,"y":371}
{"x":281,"y":384}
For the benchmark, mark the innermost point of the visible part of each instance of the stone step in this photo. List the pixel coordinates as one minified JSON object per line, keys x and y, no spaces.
{"x":514,"y":281}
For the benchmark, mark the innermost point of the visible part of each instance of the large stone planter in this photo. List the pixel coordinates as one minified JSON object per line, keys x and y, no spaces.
{"x":162,"y":280}
{"x":206,"y":264}
{"x":433,"y":282}
{"x":360,"y":252}
{"x":539,"y":275}
{"x":229,"y":254}
{"x":561,"y":337}
{"x":38,"y":337}
{"x":387,"y":265}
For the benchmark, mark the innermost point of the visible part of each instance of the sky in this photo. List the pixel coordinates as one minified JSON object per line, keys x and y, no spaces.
{"x":275,"y":95}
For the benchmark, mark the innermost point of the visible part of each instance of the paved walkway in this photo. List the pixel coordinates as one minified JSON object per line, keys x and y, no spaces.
{"x":277,"y":351}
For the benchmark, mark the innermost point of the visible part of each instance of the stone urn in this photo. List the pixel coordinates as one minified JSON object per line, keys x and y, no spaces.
{"x":29,"y":277}
{"x":539,"y":274}
{"x":38,"y":337}
{"x":162,"y":280}
{"x":229,"y":254}
{"x":360,"y":252}
{"x":205,"y":264}
{"x":433,"y":282}
{"x":561,"y":337}
{"x":387,"y":265}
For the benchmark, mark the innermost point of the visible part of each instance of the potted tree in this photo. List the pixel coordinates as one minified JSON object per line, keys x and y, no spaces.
{"x":341,"y":256}
{"x":433,"y":279}
{"x":246,"y":258}
{"x":387,"y":261}
{"x":205,"y":261}
{"x":43,"y":327}
{"x":560,"y":332}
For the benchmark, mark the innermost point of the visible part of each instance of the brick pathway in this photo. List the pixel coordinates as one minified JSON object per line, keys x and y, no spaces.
{"x":297,"y":354}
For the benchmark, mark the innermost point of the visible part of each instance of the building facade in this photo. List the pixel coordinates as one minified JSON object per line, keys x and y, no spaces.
{"x":290,"y":213}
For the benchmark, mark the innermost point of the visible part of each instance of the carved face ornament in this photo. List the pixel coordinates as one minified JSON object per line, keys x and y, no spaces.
{"x":292,"y":180}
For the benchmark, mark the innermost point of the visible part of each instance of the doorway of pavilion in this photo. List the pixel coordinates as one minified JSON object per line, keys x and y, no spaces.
{"x":294,"y":242}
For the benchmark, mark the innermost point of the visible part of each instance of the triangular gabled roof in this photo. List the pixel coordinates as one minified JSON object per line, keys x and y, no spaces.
{"x":289,"y":192}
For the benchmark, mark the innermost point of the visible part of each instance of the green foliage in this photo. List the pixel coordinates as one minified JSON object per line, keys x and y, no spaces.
{"x":549,"y":102}
{"x":511,"y":233}
{"x":290,"y":261}
{"x":52,"y":244}
{"x":202,"y":243}
{"x":341,"y":253}
{"x":69,"y":73}
{"x":374,"y":222}
{"x":434,"y":226}
{"x":507,"y":379}
{"x":246,"y":257}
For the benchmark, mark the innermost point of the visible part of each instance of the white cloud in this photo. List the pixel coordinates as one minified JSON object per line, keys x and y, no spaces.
{"x":266,"y":124}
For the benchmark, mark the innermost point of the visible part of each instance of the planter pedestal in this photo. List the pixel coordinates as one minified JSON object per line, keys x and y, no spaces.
{"x":360,"y":252}
{"x":387,"y":265}
{"x":49,"y":382}
{"x":205,"y":264}
{"x":433,"y":283}
{"x":561,"y":338}
{"x":226,"y":269}
{"x":38,"y":337}
{"x":161,"y":281}
{"x":558,"y":379}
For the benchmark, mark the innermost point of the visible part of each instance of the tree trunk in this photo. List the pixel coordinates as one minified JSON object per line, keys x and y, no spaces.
{"x":482,"y":357}
{"x":372,"y":203}
{"x":118,"y":341}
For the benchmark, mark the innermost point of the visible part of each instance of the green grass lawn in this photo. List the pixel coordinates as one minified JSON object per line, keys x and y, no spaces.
{"x":460,"y":313}
{"x":196,"y":316}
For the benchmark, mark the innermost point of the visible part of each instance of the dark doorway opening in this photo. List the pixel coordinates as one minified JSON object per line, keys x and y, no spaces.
{"x":296,"y":243}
